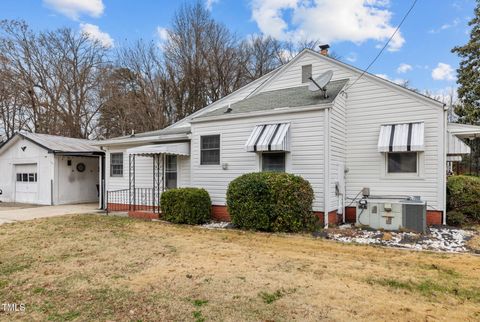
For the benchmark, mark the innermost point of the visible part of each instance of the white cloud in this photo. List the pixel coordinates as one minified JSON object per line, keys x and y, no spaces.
{"x":74,"y":8}
{"x":352,"y":57}
{"x":443,"y":72}
{"x":404,"y":68}
{"x":209,"y":4}
{"x":162,"y":33}
{"x":327,"y":20}
{"x":398,"y":81}
{"x":445,"y":26}
{"x":93,"y":32}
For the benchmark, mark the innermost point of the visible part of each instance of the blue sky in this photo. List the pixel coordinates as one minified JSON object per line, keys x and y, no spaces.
{"x":354,"y":28}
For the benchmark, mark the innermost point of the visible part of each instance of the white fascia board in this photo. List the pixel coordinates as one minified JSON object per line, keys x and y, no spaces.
{"x":142,"y":140}
{"x":283,"y":110}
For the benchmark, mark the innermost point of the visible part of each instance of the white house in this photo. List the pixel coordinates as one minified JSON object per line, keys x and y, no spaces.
{"x":367,"y":132}
{"x":49,"y":170}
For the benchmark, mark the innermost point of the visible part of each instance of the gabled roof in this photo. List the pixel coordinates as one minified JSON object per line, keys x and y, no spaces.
{"x":356,"y":71}
{"x":55,"y":144}
{"x":287,"y":97}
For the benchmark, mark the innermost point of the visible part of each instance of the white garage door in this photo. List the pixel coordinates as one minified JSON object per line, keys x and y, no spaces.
{"x":26,"y":189}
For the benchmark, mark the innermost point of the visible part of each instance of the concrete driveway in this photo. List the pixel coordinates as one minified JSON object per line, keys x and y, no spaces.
{"x":10,"y":214}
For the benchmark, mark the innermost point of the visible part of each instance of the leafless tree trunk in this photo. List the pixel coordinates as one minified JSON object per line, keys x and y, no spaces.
{"x":58,"y":72}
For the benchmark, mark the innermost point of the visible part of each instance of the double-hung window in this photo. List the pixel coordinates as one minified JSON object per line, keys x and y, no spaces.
{"x":273,"y":161}
{"x":171,"y":171}
{"x":116,"y":164}
{"x":402,"y":162}
{"x":210,"y":149}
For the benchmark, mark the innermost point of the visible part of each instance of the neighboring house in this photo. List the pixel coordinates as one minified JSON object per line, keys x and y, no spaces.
{"x":368,"y":132}
{"x":49,"y":170}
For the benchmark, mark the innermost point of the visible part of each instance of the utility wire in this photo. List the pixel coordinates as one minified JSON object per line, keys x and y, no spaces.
{"x":386,"y":44}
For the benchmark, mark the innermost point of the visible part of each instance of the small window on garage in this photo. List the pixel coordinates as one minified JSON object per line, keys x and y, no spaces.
{"x":116,"y":164}
{"x":25,"y":177}
{"x":19,"y":177}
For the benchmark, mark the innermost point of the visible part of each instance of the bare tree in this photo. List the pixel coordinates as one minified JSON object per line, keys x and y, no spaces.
{"x":59,"y":73}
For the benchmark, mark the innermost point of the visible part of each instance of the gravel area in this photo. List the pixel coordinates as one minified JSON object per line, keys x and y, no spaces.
{"x":444,"y":239}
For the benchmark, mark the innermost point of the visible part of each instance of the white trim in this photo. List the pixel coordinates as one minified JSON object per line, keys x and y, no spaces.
{"x":283,"y":110}
{"x":326,"y":166}
{"x":145,"y":139}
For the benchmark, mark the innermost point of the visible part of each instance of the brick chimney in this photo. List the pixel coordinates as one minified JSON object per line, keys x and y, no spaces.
{"x":324,"y":49}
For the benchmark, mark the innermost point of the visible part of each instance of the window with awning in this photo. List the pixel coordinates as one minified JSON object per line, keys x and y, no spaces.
{"x":269,"y":137}
{"x":406,"y":137}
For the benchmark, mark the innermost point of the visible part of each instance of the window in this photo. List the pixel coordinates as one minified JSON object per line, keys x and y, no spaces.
{"x":273,"y":162}
{"x":210,"y":149}
{"x":26,"y":177}
{"x":402,"y":162}
{"x":171,"y":172}
{"x":116,"y":164}
{"x":306,"y":73}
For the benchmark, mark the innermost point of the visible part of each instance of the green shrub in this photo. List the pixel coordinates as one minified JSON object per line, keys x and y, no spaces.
{"x":186,"y":206}
{"x":271,"y":201}
{"x":463,"y":195}
{"x":455,"y":218}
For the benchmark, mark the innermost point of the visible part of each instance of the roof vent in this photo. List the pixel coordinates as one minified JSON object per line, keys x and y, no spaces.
{"x":228,"y":110}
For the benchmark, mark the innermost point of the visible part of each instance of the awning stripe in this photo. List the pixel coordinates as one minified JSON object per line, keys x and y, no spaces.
{"x":261,"y":130}
{"x":268,"y":137}
{"x":409,"y":140}
{"x":401,"y":137}
{"x":392,"y":138}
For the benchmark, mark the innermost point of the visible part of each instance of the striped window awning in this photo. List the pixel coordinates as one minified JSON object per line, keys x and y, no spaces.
{"x":401,"y":137}
{"x":269,"y":137}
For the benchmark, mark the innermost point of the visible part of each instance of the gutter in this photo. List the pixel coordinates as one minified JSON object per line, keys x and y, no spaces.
{"x":146,"y":139}
{"x":444,"y":166}
{"x":283,"y":110}
{"x":326,"y":166}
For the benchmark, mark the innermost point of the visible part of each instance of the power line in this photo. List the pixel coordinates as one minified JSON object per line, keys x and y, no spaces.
{"x":386,"y":44}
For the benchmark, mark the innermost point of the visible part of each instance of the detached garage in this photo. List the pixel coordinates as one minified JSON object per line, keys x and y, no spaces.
{"x":49,"y":170}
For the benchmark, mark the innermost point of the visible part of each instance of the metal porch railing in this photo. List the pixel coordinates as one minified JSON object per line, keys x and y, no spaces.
{"x":144,"y":199}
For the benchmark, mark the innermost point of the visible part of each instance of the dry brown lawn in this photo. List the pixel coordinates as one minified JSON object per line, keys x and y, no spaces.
{"x":94,"y":267}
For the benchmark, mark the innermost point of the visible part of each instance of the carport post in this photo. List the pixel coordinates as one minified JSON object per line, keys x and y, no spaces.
{"x":51,"y":192}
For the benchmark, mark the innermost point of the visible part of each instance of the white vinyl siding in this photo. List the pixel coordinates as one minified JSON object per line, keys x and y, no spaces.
{"x":305,"y":157}
{"x":144,"y":171}
{"x":369,"y":104}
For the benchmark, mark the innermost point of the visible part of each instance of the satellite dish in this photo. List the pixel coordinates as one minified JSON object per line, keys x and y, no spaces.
{"x":319,"y":83}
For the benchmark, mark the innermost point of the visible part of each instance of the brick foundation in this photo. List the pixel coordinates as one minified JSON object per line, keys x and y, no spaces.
{"x":143,"y":215}
{"x":434,"y":217}
{"x":220,"y":213}
{"x":333,"y":217}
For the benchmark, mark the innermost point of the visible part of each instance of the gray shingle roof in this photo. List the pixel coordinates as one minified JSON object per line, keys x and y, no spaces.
{"x":61,"y":143}
{"x":288,"y":97}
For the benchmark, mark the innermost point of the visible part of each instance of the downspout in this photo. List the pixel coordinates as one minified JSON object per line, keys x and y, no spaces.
{"x":444,"y":163}
{"x":326,"y":166}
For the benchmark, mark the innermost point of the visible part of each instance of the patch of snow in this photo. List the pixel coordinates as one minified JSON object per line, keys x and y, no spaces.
{"x":217,"y":225}
{"x":436,"y":239}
